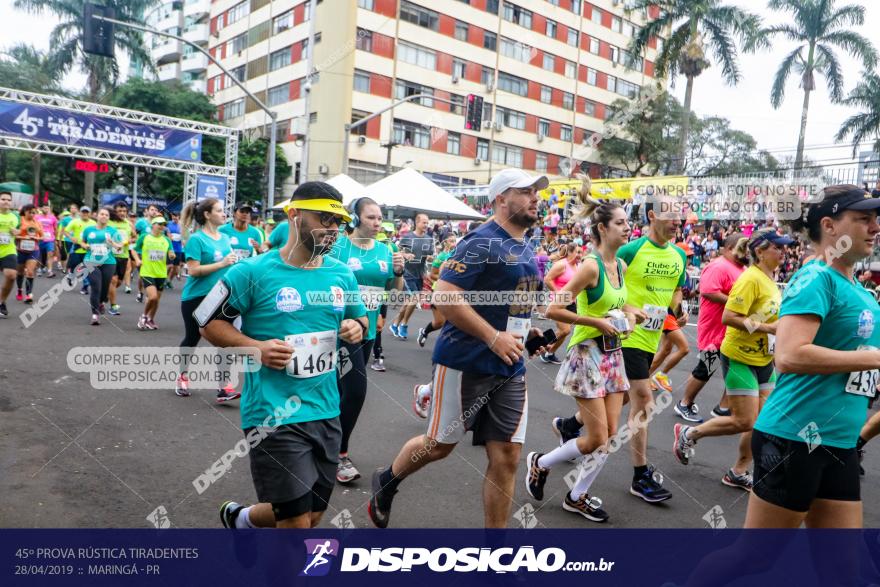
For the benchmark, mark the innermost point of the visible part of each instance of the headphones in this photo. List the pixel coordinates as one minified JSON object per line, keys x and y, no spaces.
{"x":355,"y":217}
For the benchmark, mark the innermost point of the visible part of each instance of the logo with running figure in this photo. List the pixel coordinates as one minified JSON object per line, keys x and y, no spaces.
{"x":319,"y":556}
{"x":288,"y":300}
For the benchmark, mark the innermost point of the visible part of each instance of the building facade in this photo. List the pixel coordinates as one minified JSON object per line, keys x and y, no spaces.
{"x":548,"y":71}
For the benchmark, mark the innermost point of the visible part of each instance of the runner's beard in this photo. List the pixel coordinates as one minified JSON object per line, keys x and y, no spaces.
{"x":320,"y":245}
{"x":523,"y":218}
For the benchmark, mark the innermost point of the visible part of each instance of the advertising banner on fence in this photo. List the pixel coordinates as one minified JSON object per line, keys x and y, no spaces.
{"x":56,"y":125}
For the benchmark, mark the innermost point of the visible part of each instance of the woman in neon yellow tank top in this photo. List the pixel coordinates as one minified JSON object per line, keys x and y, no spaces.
{"x":592,"y":371}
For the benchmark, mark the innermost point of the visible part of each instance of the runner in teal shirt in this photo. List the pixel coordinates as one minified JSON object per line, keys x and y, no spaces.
{"x":98,"y":240}
{"x":244,"y":238}
{"x":205,"y":250}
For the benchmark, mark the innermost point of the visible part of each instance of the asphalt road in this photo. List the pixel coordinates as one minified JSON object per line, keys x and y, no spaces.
{"x":73,"y":456}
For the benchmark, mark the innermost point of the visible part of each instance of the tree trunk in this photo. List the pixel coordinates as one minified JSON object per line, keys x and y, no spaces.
{"x":685,"y":126}
{"x":799,"y":158}
{"x":2,"y":164}
{"x":89,"y":189}
{"x":37,"y":166}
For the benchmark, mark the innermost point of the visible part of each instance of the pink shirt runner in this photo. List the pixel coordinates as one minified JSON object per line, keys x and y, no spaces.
{"x":717,"y":277}
{"x":49,"y":224}
{"x":566,"y":275}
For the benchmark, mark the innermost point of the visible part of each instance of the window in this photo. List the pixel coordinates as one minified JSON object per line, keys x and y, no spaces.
{"x":546,"y":94}
{"x":419,"y":15}
{"x":461,"y":30}
{"x":278,"y":95}
{"x":490,"y":40}
{"x":625,"y":88}
{"x":594,"y":46}
{"x":570,"y":69}
{"x":551,"y":28}
{"x":313,"y":118}
{"x":238,"y":12}
{"x":411,"y":134}
{"x":576,"y":6}
{"x":612,"y":83}
{"x":457,"y":106}
{"x":628,"y":29}
{"x":458,"y":68}
{"x":239,"y":72}
{"x":492,"y":6}
{"x":513,"y":84}
{"x":307,"y":10}
{"x":572,"y":37}
{"x":364,"y":40}
{"x":403,"y":89}
{"x":279,"y":59}
{"x":592,"y":76}
{"x":548,"y":62}
{"x":516,"y":50}
{"x":233,"y":109}
{"x":507,"y":155}
{"x":366,"y":4}
{"x":554,"y":2}
{"x":483,"y":149}
{"x":541,"y":162}
{"x":416,"y":55}
{"x":565,"y":133}
{"x":615,"y":54}
{"x":568,"y":100}
{"x":453,"y":143}
{"x":596,"y":16}
{"x":544,"y":127}
{"x":282,"y":22}
{"x":306,"y":50}
{"x":520,"y":16}
{"x":487,"y":75}
{"x":590,"y":108}
{"x":510,"y":118}
{"x":237,"y":44}
{"x":361,"y":81}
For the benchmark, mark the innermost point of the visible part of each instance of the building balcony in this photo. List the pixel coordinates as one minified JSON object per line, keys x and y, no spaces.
{"x":196,"y":7}
{"x":198,"y":85}
{"x":171,"y":21}
{"x":168,"y":51}
{"x":197,"y":33}
{"x":194,"y":63}
{"x":168,"y":72}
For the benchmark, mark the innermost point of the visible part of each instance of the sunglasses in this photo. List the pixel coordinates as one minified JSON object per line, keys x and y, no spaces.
{"x":328,"y":219}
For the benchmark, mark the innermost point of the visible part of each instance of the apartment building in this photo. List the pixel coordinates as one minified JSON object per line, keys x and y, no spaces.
{"x":548,"y":71}
{"x":173,"y":59}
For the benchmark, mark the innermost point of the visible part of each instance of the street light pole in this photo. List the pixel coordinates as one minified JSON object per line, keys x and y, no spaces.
{"x":348,"y":127}
{"x":307,"y":89}
{"x":272,"y":115}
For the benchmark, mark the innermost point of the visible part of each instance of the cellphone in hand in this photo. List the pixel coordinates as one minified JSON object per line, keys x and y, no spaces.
{"x":536,"y":342}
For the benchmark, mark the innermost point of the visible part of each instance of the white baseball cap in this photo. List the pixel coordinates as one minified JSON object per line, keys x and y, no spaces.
{"x":515,"y":178}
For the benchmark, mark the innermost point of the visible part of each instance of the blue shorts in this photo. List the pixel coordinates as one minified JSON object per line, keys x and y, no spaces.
{"x":24,"y":257}
{"x":413,"y":284}
{"x":47,"y":246}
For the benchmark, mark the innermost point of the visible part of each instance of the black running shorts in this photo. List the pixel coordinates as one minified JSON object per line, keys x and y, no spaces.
{"x":788,"y":474}
{"x":637,"y":363}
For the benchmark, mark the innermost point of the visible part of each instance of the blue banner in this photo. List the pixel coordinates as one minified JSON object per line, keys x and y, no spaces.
{"x":56,"y":125}
{"x":210,"y":186}
{"x":426,"y":557}
{"x":111,"y":199}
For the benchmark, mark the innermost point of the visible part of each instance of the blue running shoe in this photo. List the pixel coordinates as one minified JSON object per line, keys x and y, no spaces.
{"x":403,"y":329}
{"x":394,"y":331}
{"x":649,"y":488}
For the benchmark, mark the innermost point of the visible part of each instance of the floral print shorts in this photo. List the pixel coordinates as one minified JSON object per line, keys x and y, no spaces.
{"x":589,"y":373}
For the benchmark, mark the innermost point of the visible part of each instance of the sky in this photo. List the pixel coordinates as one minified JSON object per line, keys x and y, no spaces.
{"x":746,"y":105}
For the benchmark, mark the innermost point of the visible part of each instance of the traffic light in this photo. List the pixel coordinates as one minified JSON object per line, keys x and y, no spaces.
{"x":98,"y":34}
{"x":473,"y":112}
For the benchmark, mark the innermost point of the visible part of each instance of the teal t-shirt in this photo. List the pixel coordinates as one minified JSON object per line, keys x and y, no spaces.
{"x":100,"y":251}
{"x":62,"y":224}
{"x":241,"y":240}
{"x":372,"y":269}
{"x":830,"y":405}
{"x":142,"y":225}
{"x":279,"y":301}
{"x":278,"y":238}
{"x":202,"y":248}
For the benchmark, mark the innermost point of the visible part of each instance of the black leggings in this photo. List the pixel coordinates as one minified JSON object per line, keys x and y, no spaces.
{"x":99,"y":281}
{"x":191,"y":336}
{"x":352,"y":387}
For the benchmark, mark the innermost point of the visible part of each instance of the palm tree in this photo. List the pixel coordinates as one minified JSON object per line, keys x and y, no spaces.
{"x":66,"y":40}
{"x":697,"y":27}
{"x":818,"y":27}
{"x":866,"y":124}
{"x":29,"y":69}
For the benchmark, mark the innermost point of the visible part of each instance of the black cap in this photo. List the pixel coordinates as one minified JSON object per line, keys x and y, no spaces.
{"x":244,"y":206}
{"x":855,"y":199}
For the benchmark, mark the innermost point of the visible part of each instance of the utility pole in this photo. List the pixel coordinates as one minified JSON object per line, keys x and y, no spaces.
{"x":307,"y":88}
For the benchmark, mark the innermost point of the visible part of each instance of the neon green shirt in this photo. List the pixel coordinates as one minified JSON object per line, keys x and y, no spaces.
{"x":596,"y":302}
{"x":9,"y":221}
{"x":153,"y":251}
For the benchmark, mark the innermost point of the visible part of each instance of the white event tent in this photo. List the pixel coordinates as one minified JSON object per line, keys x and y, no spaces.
{"x":408,"y":192}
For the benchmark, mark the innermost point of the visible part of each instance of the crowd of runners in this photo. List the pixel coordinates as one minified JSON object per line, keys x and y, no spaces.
{"x":312,"y":299}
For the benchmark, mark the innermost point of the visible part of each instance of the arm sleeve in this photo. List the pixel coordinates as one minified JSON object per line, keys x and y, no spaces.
{"x":237,"y":285}
{"x":684,"y":262}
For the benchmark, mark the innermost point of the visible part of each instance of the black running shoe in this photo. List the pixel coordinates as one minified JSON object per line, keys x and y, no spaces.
{"x":229,"y":512}
{"x":588,"y":507}
{"x":379,"y":508}
{"x":536,"y":477}
{"x":561,"y":433}
{"x":649,"y":488}
{"x":3,"y":311}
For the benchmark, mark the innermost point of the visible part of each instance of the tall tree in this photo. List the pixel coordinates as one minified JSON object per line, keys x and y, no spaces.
{"x":697,"y":27}
{"x":818,"y":26}
{"x":866,"y":124}
{"x":66,"y":40}
{"x":24,"y":67}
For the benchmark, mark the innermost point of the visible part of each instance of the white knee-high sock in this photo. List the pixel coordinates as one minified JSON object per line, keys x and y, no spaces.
{"x":587,"y":472}
{"x":562,"y":454}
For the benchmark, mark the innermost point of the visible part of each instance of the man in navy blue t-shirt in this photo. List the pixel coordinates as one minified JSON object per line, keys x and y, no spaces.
{"x":486,"y":292}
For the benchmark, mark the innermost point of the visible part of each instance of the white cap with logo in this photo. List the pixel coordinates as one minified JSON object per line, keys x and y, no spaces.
{"x":515,"y":178}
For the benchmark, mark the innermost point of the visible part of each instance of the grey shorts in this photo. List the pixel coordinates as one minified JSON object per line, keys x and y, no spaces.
{"x":493,"y":407}
{"x":292,"y":459}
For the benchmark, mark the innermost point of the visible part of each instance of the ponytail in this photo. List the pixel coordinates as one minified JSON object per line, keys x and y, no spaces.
{"x":593,"y":210}
{"x":192,"y":217}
